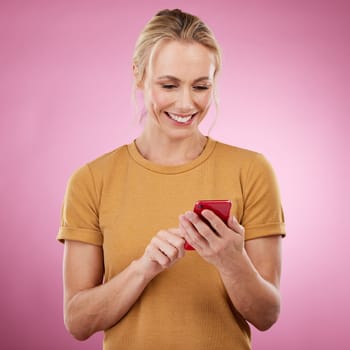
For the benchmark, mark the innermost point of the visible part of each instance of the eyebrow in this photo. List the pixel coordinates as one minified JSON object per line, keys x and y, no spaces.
{"x":170,"y":77}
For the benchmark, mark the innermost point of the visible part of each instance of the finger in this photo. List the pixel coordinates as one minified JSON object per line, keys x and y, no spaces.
{"x":234,"y":225}
{"x":193,"y":243}
{"x":192,"y":235}
{"x":175,"y":230}
{"x":165,"y":247}
{"x":183,"y":236}
{"x":157,"y":256}
{"x":215,"y":222}
{"x":176,"y":238}
{"x":173,"y":237}
{"x":204,"y":229}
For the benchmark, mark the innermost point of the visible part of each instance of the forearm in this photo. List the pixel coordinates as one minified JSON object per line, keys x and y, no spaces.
{"x":256,"y":299}
{"x":103,"y":306}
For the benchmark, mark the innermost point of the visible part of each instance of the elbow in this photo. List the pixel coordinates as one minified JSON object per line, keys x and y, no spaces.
{"x":267,"y":321}
{"x":75,"y":328}
{"x":75,"y":332}
{"x":264,"y":326}
{"x":268,"y":315}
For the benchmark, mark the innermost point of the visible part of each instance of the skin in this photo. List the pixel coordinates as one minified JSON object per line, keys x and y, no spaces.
{"x":179,"y":80}
{"x":249,"y":270}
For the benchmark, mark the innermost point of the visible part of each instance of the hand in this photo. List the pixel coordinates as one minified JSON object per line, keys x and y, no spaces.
{"x":219,"y":247}
{"x":166,"y":248}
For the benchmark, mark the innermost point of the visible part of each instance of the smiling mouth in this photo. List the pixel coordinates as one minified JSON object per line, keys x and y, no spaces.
{"x":180,"y":119}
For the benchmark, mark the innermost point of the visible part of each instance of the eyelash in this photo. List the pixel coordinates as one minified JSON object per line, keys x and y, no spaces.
{"x":169,"y":87}
{"x":201,"y":87}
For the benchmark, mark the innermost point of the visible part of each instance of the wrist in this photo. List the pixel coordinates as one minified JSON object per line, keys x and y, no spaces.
{"x":238,"y":269}
{"x":144,"y":270}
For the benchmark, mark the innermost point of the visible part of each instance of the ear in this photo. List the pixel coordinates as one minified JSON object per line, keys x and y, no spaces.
{"x":136,"y":73}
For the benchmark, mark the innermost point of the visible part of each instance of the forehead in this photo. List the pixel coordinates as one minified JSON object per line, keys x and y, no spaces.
{"x":184,"y":60}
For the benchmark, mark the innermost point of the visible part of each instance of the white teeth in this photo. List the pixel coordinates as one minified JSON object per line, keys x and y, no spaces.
{"x":180,"y":119}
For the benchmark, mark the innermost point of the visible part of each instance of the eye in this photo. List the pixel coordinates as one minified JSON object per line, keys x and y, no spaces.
{"x":168,"y":86}
{"x":201,"y":87}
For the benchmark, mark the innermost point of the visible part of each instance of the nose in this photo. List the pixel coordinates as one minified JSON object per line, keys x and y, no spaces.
{"x":185,"y":100}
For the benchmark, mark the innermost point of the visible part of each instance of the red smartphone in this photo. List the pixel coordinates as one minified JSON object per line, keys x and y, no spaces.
{"x":221,"y":208}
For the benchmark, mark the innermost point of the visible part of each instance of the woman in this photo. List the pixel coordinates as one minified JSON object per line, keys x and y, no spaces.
{"x":127,"y":215}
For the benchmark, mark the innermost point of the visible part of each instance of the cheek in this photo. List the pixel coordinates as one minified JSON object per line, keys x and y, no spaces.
{"x":160,"y":100}
{"x":205,"y":100}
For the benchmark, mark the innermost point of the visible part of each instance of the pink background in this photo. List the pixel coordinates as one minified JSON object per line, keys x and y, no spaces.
{"x":65,"y":99}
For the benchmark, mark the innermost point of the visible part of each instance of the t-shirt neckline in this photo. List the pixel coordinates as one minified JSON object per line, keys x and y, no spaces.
{"x":171,"y":169}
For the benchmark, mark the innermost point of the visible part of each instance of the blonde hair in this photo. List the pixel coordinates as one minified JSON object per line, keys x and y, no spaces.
{"x":172,"y":25}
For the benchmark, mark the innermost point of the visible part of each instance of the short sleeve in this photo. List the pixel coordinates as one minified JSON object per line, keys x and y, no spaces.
{"x":79,"y":214}
{"x":263,"y":213}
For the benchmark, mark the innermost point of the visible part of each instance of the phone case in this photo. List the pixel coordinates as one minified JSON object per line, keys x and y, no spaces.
{"x":221,"y":208}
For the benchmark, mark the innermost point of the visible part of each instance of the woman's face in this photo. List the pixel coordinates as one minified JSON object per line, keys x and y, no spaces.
{"x":178,"y":87}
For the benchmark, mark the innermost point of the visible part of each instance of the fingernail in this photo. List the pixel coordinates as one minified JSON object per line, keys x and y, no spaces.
{"x":205,"y":213}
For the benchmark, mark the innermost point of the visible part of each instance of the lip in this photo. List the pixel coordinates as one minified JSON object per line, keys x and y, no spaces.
{"x":181,"y":116}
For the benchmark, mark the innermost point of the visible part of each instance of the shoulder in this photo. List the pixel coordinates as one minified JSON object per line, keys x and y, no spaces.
{"x":239,"y":155}
{"x":230,"y":150}
{"x":108,"y":159}
{"x":246,"y":161}
{"x":99,"y":166}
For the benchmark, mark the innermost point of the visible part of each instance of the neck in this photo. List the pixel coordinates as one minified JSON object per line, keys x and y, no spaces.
{"x":170,"y":151}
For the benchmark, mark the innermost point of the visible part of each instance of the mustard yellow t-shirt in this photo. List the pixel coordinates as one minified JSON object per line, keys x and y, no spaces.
{"x":120,"y":201}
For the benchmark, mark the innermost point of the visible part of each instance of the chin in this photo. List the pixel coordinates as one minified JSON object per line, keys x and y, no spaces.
{"x":182,"y":134}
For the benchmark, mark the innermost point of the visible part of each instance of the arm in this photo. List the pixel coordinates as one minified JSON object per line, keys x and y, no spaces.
{"x":250,"y":272}
{"x":252,"y":281}
{"x":89,"y":305}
